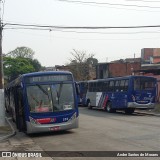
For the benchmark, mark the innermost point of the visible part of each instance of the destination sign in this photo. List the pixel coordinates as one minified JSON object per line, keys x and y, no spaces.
{"x":48,"y":78}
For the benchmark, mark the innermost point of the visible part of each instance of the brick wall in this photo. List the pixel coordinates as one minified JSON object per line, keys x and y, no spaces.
{"x":123,"y":69}
{"x":147,"y":53}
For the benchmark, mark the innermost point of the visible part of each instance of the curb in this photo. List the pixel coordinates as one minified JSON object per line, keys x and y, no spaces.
{"x":10,"y":134}
{"x":147,"y":113}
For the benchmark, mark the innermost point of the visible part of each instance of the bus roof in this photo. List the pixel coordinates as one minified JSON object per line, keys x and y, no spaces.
{"x":45,"y":73}
{"x":18,"y":79}
{"x":119,"y":78}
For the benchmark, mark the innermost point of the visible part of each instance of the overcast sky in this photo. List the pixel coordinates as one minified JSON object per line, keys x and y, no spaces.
{"x":55,"y":47}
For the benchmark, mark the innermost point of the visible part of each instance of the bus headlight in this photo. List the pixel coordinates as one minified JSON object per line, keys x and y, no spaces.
{"x":73,"y":117}
{"x":67,"y":107}
{"x":33,"y":121}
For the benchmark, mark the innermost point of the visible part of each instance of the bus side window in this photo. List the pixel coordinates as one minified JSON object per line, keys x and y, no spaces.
{"x":122,"y":85}
{"x":99,"y":86}
{"x":111,"y":86}
{"x":89,"y":87}
{"x":117,"y":87}
{"x":126,"y":85}
{"x":104,"y":86}
{"x":137,"y":85}
{"x":93,"y":86}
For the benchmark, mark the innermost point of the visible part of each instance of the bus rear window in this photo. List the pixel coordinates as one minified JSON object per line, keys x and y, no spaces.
{"x":143,"y":84}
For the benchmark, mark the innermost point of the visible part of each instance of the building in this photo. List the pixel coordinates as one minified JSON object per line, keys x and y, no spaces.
{"x":118,"y":68}
{"x":150,"y":55}
{"x":50,"y":68}
{"x":62,"y":68}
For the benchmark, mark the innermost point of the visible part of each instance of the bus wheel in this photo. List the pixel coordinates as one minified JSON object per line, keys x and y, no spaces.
{"x":109,"y":107}
{"x":129,"y":110}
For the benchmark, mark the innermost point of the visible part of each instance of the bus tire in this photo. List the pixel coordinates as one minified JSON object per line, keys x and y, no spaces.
{"x":129,"y":110}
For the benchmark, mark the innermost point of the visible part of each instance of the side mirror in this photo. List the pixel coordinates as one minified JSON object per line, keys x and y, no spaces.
{"x":77,"y":88}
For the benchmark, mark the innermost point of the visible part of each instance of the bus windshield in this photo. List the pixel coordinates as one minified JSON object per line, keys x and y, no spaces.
{"x":144,"y":83}
{"x":50,"y":98}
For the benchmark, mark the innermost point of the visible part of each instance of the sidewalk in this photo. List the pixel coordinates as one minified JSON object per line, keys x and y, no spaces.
{"x":11,"y":140}
{"x":6,"y":131}
{"x":152,"y":112}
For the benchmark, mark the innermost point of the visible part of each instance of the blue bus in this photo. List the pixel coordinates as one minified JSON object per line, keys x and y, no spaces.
{"x":82,"y":92}
{"x":43,"y":101}
{"x":122,"y":93}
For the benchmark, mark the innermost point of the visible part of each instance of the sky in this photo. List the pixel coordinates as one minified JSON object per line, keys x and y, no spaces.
{"x":54,"y":47}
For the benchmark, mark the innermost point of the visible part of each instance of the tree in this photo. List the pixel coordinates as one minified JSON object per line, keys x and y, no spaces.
{"x":20,"y":61}
{"x":36,"y":64}
{"x":13,"y":67}
{"x":81,"y":64}
{"x":92,"y":61}
{"x":23,"y":52}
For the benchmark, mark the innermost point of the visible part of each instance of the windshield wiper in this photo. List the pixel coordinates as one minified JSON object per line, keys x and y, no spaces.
{"x":44,"y":91}
{"x":59,"y":91}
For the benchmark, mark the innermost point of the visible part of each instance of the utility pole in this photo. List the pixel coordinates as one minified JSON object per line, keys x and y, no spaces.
{"x":2,"y":109}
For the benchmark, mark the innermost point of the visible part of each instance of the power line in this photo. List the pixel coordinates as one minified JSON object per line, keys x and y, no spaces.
{"x":112,"y":4}
{"x":73,"y":31}
{"x":27,"y":28}
{"x":92,"y":39}
{"x":80,"y":27}
{"x":142,"y":1}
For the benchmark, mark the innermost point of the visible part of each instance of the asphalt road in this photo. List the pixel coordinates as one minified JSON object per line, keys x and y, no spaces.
{"x":98,"y":131}
{"x":102,"y":131}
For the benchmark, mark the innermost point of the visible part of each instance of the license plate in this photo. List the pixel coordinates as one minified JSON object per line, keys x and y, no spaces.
{"x":55,"y":128}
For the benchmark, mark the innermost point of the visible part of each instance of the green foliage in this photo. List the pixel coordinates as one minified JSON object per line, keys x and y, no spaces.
{"x":13,"y":67}
{"x":36,"y":64}
{"x":20,"y":61}
{"x":23,"y":52}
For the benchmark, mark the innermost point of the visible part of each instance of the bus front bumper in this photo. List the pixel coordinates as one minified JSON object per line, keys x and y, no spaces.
{"x":141,"y":106}
{"x":37,"y":128}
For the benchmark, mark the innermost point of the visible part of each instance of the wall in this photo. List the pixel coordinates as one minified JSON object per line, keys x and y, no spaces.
{"x":146,"y":53}
{"x":156,"y":52}
{"x":123,"y":69}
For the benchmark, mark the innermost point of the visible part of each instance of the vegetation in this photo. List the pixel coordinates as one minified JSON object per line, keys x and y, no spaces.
{"x":81,"y":64}
{"x":23,"y":52}
{"x":19,"y":61}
